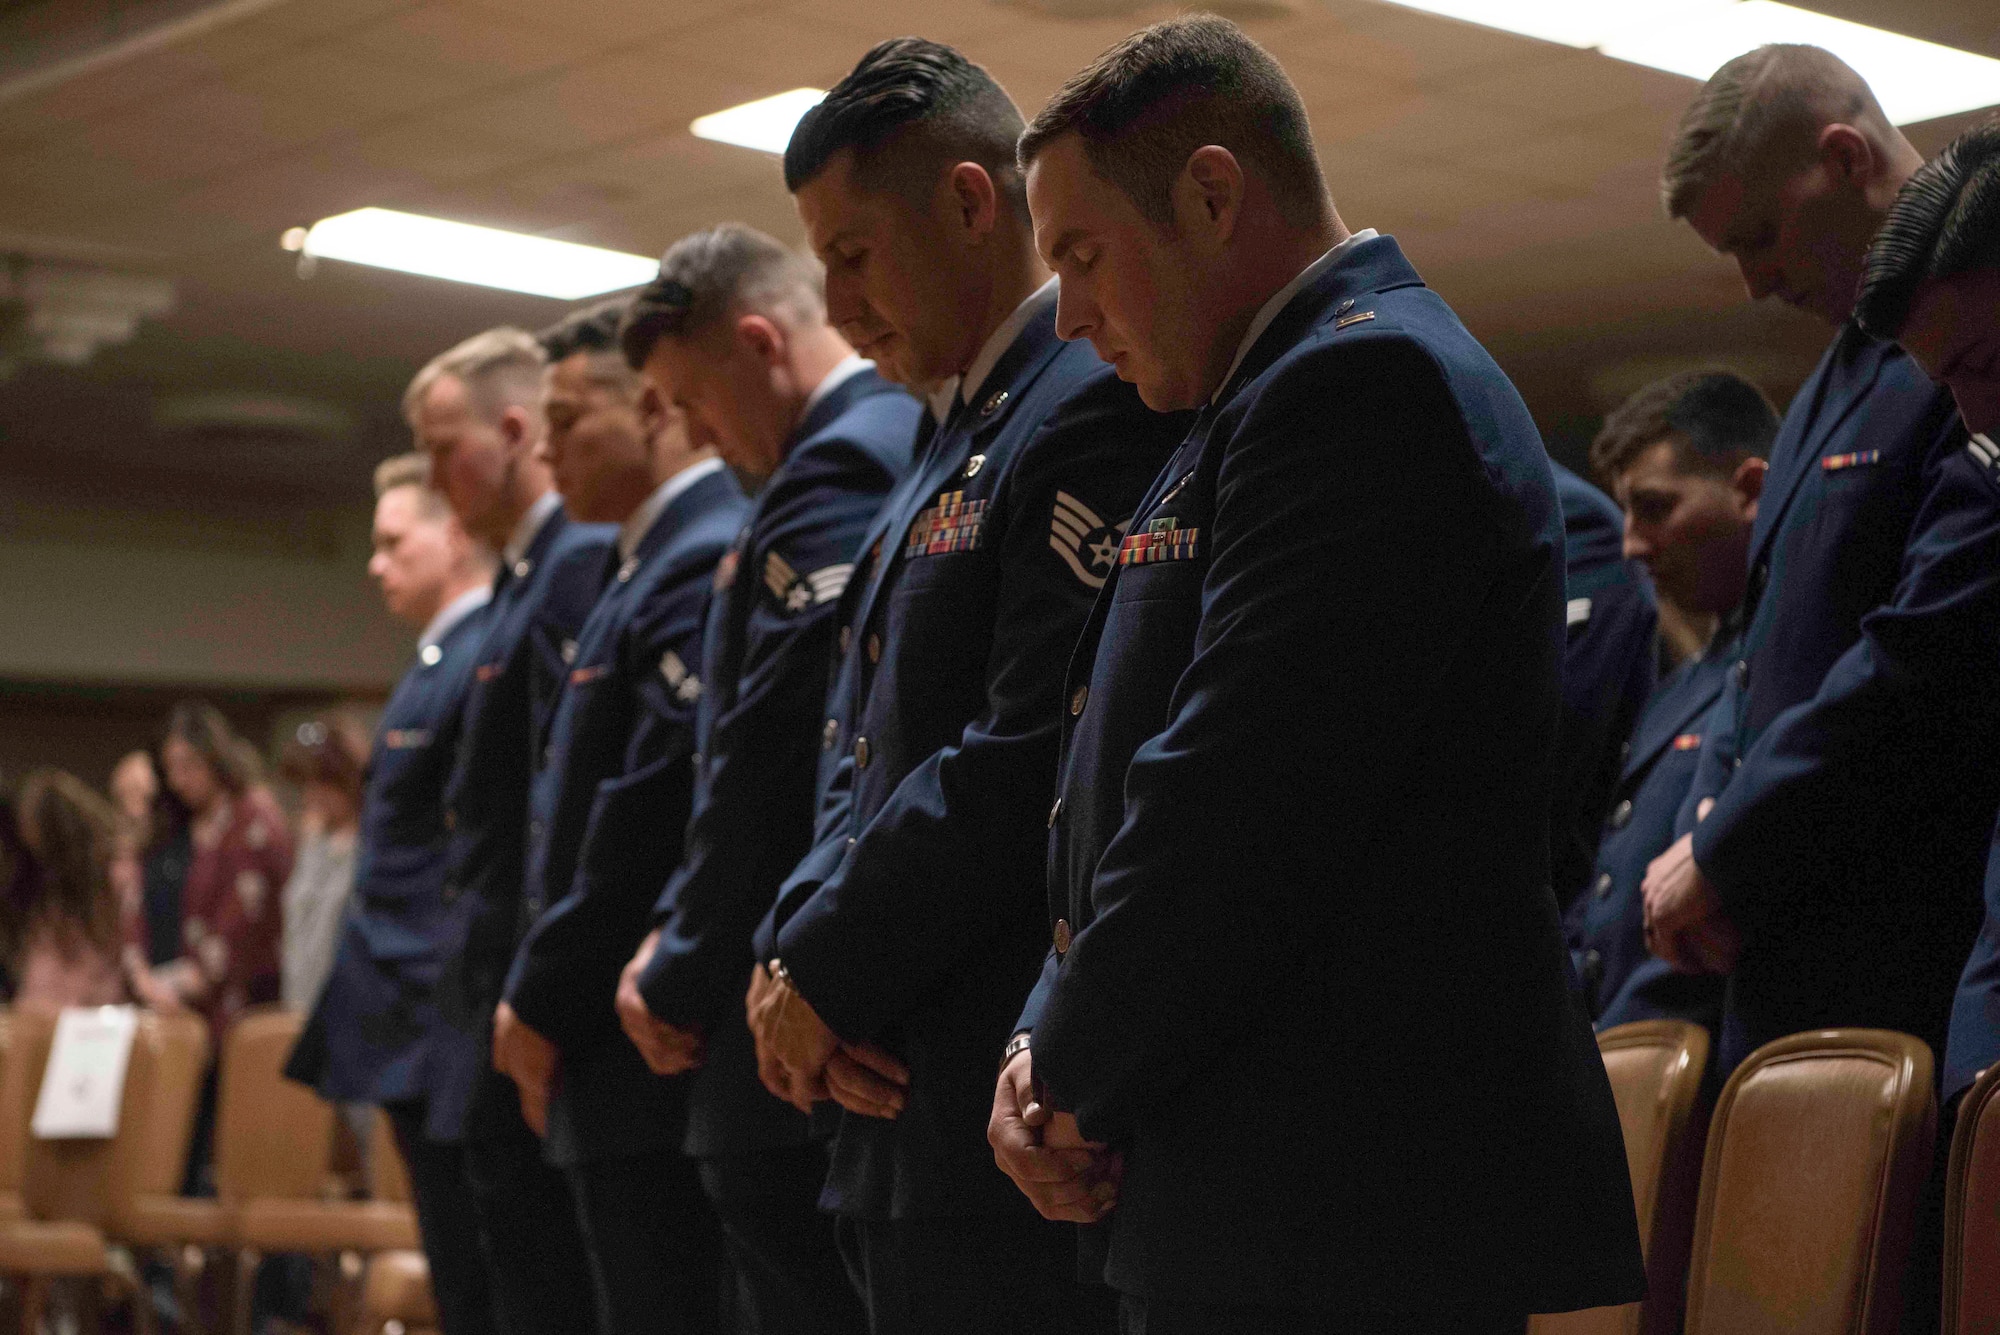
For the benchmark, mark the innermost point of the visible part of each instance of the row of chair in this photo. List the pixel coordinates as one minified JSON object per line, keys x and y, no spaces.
{"x":85,"y":1209}
{"x":1789,"y":1208}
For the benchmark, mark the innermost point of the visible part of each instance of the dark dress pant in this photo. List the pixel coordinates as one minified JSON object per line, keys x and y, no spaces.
{"x":655,"y":1249}
{"x":790,"y":1279}
{"x":1141,"y":1316}
{"x":538,"y":1274}
{"x":997,"y":1275}
{"x":448,"y":1222}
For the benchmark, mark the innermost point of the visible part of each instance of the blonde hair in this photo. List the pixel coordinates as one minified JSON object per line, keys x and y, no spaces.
{"x":500,"y":368}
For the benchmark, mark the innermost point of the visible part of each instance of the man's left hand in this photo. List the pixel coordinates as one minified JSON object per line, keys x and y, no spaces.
{"x":529,"y":1060}
{"x":790,"y":1033}
{"x":1685,"y":922}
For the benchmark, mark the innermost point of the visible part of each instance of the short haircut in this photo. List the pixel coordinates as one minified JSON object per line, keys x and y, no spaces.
{"x":500,"y":368}
{"x":908,"y":110}
{"x":1714,"y":419}
{"x":410,"y":470}
{"x":1143,"y":108}
{"x":709,"y":276}
{"x":1766,"y":104}
{"x":1945,"y":221}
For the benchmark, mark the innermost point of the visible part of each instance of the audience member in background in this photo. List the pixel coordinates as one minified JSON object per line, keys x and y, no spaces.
{"x":324,"y":760}
{"x":476,"y":411}
{"x":1610,"y":662}
{"x":134,"y":785}
{"x":164,"y":859}
{"x":232,"y":916}
{"x":62,"y":901}
{"x":377,"y":1036}
{"x":1297,"y":862}
{"x":1685,"y":456}
{"x":609,"y":808}
{"x":1933,"y":284}
{"x":735,"y":331}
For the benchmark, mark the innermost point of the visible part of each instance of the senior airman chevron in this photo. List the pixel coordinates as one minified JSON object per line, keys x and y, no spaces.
{"x":1163,"y":539}
{"x":684,"y":684}
{"x":950,"y":525}
{"x":1084,"y":541}
{"x":1982,"y":448}
{"x":795,"y":592}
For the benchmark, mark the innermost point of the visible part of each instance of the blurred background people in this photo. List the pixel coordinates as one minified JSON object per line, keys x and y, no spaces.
{"x":323,"y":759}
{"x":60,"y":897}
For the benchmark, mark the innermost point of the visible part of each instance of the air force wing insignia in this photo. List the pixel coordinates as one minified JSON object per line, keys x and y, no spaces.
{"x":684,"y":684}
{"x":796,"y":592}
{"x":1087,"y":544}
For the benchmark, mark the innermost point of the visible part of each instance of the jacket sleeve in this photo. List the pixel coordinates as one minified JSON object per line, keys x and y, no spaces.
{"x":1330,"y":530}
{"x":955,"y":857}
{"x":762,"y":754}
{"x":1917,"y":696}
{"x":565,"y":975}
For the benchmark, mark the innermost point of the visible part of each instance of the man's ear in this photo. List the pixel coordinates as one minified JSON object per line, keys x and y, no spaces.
{"x":975,"y":199}
{"x":762,"y":336}
{"x":517,"y":427}
{"x":1208,"y":197}
{"x":1748,"y":484}
{"x":1847,"y":154}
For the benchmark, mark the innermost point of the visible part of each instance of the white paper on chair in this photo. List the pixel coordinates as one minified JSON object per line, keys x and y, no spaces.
{"x":84,"y":1082}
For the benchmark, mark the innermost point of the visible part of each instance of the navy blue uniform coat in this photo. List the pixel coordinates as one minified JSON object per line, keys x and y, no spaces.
{"x":1622,"y":980}
{"x":1609,"y":668}
{"x":376,"y":1034}
{"x":538,"y":606}
{"x":1316,"y":988}
{"x":1856,"y":782}
{"x":765,"y":655}
{"x":608,"y":809}
{"x":928,"y":932}
{"x":1974,"y":1040}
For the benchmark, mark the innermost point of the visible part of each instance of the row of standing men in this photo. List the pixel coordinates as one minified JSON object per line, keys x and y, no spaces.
{"x":1158,"y":707}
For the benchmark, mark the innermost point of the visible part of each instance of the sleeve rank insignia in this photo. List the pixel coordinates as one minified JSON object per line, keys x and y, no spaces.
{"x":796,"y":592}
{"x":684,"y":684}
{"x":1577,"y":612}
{"x":1084,"y":541}
{"x":1986,"y":454}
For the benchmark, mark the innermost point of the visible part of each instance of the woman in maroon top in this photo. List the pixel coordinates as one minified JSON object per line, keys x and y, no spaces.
{"x":231,"y":909}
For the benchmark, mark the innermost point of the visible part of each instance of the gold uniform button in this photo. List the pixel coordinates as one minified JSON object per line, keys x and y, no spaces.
{"x":874,"y":648}
{"x":861,"y":753}
{"x":1621,"y":815}
{"x":1062,"y":936}
{"x":1077,"y":701}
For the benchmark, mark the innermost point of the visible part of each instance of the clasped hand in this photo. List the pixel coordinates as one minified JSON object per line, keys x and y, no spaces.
{"x":1063,"y":1175}
{"x":530,"y":1061}
{"x":667,"y":1049}
{"x":801,"y":1060}
{"x":1685,"y":922}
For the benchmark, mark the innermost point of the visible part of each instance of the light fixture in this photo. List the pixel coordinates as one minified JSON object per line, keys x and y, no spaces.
{"x":765,"y":125}
{"x":1914,"y":80}
{"x":464,"y":253}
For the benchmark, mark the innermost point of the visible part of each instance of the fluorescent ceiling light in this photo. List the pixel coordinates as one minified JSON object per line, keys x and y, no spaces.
{"x":765,"y":125}
{"x":1915,"y":80}
{"x":412,"y":243}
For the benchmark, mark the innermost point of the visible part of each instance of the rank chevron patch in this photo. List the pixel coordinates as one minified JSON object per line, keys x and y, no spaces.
{"x":1083,"y":540}
{"x":795,"y":592}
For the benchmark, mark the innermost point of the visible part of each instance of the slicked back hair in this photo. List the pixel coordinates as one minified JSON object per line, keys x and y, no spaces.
{"x":709,"y":277}
{"x":411,"y":470}
{"x":1766,"y":105}
{"x":1143,"y":108}
{"x":1945,"y":221}
{"x":500,"y":368}
{"x":593,"y":331}
{"x":910,"y":109}
{"x":1715,"y":419}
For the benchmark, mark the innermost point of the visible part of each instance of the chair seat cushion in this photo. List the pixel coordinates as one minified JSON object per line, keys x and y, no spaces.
{"x":398,"y":1288}
{"x":31,"y":1246}
{"x":326,"y":1226}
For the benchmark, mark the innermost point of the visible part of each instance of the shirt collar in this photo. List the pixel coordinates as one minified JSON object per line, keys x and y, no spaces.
{"x":453,"y":612}
{"x":844,"y":370}
{"x":997,"y":343}
{"x":636,"y":524}
{"x":527,"y":526}
{"x":1283,"y":298}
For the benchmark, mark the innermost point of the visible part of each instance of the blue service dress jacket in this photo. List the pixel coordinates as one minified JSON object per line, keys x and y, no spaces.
{"x":376,"y":1034}
{"x":766,"y":650}
{"x":1855,"y":783}
{"x":1622,"y":980}
{"x":1308,"y":971}
{"x":1973,"y":1043}
{"x":1609,"y":669}
{"x":539,"y":604}
{"x":608,"y":808}
{"x":927,"y":932}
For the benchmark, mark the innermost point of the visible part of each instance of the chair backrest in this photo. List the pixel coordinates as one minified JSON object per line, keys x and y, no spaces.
{"x":88,"y":1180}
{"x":1818,"y":1148}
{"x":1656,"y":1069}
{"x":273,"y":1137}
{"x":1972,"y":1213}
{"x":388,"y":1177}
{"x":180,"y":1049}
{"x":28,"y":1035}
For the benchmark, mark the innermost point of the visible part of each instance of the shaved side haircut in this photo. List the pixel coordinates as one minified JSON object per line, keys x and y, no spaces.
{"x":411,"y":470}
{"x":592,"y":331}
{"x":712,"y":276}
{"x":500,"y":369}
{"x":1715,"y":419}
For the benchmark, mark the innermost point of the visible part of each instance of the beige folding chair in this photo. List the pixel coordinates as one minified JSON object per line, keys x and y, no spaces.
{"x":1656,"y":1070}
{"x":1972,"y":1213}
{"x":1819,"y":1146}
{"x":396,"y":1296}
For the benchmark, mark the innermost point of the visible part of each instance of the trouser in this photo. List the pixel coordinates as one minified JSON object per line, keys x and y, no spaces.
{"x":1142,"y":1316}
{"x":447,"y":1220}
{"x":655,"y":1249}
{"x":1011,"y":1274}
{"x":538,"y":1275}
{"x":1923,"y":1277}
{"x":789,"y":1276}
